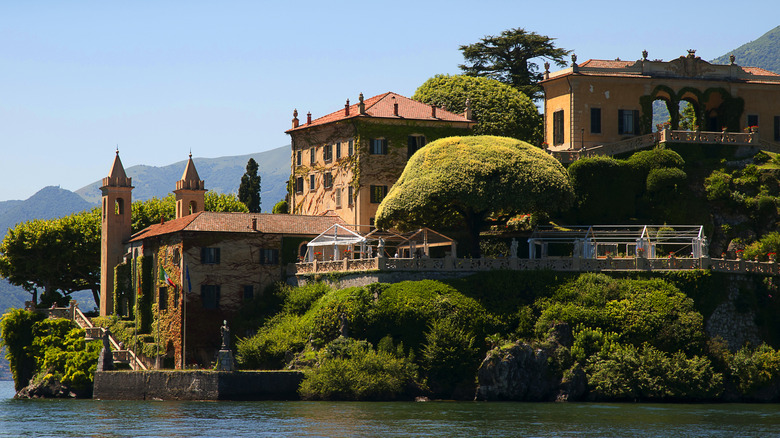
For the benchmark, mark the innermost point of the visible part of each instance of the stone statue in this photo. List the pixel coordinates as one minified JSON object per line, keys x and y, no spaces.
{"x":225,"y":336}
{"x":513,"y":249}
{"x":106,"y":358}
{"x":380,"y":249}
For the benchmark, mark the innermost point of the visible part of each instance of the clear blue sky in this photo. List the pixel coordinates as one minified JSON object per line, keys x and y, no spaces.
{"x":158,"y":78}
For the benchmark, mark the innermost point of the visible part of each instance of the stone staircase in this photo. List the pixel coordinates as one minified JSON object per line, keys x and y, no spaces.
{"x":120,"y":354}
{"x":73,"y":313}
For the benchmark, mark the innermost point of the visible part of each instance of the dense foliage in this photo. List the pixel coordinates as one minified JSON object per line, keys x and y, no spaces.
{"x":497,"y":108}
{"x":634,"y":339}
{"x":509,"y":58}
{"x":47,"y":350}
{"x":471,"y":178}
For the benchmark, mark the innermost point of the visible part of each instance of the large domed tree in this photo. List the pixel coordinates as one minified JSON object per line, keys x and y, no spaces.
{"x":498,"y":108}
{"x":472,"y":177}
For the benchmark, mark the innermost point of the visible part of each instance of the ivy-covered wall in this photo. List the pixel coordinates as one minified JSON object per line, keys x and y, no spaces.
{"x":362,"y":169}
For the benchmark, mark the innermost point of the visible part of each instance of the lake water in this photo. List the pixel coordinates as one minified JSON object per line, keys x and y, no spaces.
{"x":91,"y":418}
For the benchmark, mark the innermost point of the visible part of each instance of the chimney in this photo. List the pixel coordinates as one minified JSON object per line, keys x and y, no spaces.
{"x":395,"y":107}
{"x":346,"y":109}
{"x":308,"y":118}
{"x":361,"y":105}
{"x":295,"y":118}
{"x":254,"y":224}
{"x":433,"y":111}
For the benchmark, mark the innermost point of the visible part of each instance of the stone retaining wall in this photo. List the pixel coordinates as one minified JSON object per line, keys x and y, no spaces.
{"x":196,"y":385}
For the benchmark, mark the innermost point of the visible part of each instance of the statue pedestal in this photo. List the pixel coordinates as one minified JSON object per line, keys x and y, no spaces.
{"x":225,"y":361}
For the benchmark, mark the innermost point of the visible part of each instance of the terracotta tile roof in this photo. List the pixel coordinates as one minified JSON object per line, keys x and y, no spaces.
{"x":206,"y":221}
{"x":759,"y":71}
{"x":382,"y":106}
{"x":605,"y":63}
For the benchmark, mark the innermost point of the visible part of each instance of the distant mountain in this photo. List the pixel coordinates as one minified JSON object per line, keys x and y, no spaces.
{"x":763,"y":52}
{"x":222,"y":175}
{"x":49,"y":202}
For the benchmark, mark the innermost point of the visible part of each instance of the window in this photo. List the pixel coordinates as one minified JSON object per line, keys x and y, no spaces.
{"x":312,"y":156}
{"x":210,"y":295}
{"x":299,"y":157}
{"x":162,"y":299}
{"x":777,"y":128}
{"x":378,"y":193}
{"x":209,"y":256}
{"x":558,"y":127}
{"x":337,"y":197}
{"x":628,"y":122}
{"x":328,"y":180}
{"x":351,"y":147}
{"x":327,"y":153}
{"x":350,"y":196}
{"x":595,"y":120}
{"x":378,"y":146}
{"x":338,"y":150}
{"x":249,"y":292}
{"x":299,"y":184}
{"x":311,"y":183}
{"x":269,"y":256}
{"x":752,"y":120}
{"x":415,"y":142}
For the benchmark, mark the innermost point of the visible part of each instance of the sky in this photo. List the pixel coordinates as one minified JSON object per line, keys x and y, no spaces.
{"x":158,"y":79}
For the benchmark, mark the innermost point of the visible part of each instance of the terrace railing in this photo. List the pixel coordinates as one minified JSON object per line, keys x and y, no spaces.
{"x":574,"y":264}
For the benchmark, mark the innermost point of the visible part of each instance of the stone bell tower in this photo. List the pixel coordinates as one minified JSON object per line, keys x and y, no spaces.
{"x":115,"y":229}
{"x":190,"y":191}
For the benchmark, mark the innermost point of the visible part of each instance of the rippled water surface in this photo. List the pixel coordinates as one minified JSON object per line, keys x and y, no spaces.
{"x":90,"y":418}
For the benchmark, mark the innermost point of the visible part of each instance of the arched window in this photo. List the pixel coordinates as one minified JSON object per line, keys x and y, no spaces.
{"x":119,"y":206}
{"x":193,"y":207}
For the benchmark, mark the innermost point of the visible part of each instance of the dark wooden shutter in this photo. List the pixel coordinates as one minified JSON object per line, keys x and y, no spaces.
{"x":636,"y":122}
{"x":621,"y":129}
{"x":217,"y":255}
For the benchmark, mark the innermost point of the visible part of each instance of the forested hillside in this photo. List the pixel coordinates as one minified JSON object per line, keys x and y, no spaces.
{"x":763,"y":52}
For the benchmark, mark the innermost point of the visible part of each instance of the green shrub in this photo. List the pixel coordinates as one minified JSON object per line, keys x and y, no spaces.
{"x":657,"y":158}
{"x":769,"y":243}
{"x":299,"y":299}
{"x":665,"y":179}
{"x":16,"y":327}
{"x":754,"y":369}
{"x":639,"y":311}
{"x":280,"y":207}
{"x":625,"y":372}
{"x":354,"y":371}
{"x":282,"y":335}
{"x":449,"y":356}
{"x":718,"y":186}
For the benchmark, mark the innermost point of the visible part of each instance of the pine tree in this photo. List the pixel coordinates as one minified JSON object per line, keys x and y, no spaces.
{"x":249,"y":190}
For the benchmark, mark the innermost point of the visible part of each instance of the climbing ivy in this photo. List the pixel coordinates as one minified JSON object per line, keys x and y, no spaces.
{"x":729,"y":111}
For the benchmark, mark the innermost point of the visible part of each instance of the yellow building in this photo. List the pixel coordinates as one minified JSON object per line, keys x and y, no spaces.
{"x":601,"y":102}
{"x":346,"y":161}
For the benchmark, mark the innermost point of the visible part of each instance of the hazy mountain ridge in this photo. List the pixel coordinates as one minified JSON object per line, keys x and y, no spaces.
{"x":222,"y":175}
{"x":48,"y":203}
{"x":763,"y":52}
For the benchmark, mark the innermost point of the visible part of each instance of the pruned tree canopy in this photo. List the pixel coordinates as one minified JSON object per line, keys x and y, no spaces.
{"x":508,"y":58}
{"x":497,"y":108}
{"x":473,"y":177}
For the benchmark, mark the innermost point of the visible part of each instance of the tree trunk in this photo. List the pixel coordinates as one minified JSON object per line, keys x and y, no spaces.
{"x":474,"y":223}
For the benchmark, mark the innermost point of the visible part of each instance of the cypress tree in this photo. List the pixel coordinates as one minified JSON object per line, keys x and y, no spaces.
{"x":249,"y":190}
